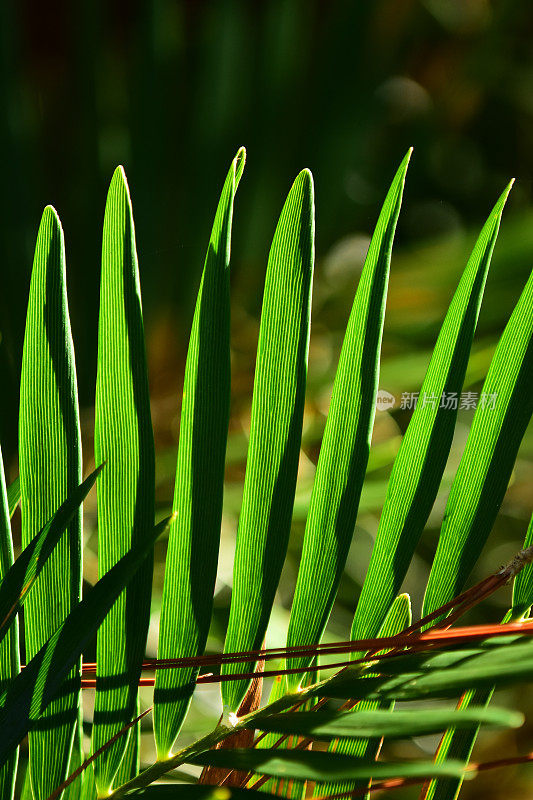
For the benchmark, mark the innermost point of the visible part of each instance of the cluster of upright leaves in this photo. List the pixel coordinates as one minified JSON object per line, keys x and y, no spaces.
{"x":44,"y":699}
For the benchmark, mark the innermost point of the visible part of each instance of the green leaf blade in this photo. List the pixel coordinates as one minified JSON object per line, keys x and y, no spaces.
{"x":303,"y":765}
{"x":275,"y":432}
{"x":50,"y":468}
{"x":419,"y":465}
{"x":124,"y":441}
{"x":192,"y":556}
{"x":487,"y":461}
{"x":380,"y":723}
{"x":346,"y":443}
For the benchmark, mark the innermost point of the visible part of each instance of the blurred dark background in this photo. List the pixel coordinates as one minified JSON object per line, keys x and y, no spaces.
{"x":171,"y":89}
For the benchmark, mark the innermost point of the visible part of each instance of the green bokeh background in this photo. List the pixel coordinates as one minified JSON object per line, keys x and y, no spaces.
{"x":170,"y":89}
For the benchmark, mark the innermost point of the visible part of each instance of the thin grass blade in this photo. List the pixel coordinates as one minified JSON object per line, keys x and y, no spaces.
{"x":192,"y":555}
{"x":275,"y":431}
{"x":9,"y":646}
{"x":346,"y":443}
{"x":481,"y":480}
{"x":50,"y":469}
{"x":123,"y":439}
{"x":419,"y":465}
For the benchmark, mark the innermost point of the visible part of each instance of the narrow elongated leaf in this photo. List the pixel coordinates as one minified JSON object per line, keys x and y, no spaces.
{"x":123,"y":438}
{"x":310,"y":765}
{"x":346,"y":442}
{"x":419,"y":465}
{"x":50,"y":469}
{"x":485,"y":468}
{"x":30,"y":693}
{"x":192,"y":556}
{"x":9,"y":646}
{"x":398,"y":618}
{"x":13,"y":496}
{"x":21,"y":576}
{"x":381,"y":723}
{"x":275,"y":431}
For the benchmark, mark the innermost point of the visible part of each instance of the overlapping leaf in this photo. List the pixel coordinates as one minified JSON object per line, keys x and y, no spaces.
{"x":123,"y":439}
{"x":398,"y":618}
{"x":303,"y":765}
{"x":275,"y":430}
{"x":192,"y":556}
{"x":31,"y":692}
{"x":485,"y":468}
{"x":18,"y":581}
{"x":420,"y":462}
{"x":50,"y":469}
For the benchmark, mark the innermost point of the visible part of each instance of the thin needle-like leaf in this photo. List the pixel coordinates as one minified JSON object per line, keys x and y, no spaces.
{"x":419,"y":465}
{"x":9,"y":646}
{"x":346,"y":442}
{"x":123,"y":439}
{"x":275,"y":429}
{"x":50,"y":469}
{"x":192,"y":555}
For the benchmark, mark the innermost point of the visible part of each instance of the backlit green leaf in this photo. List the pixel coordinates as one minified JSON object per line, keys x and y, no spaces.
{"x":419,"y":465}
{"x":34,"y":688}
{"x":346,"y":443}
{"x":123,"y":439}
{"x":20,"y":578}
{"x":50,"y":469}
{"x":312,"y":765}
{"x":487,"y":461}
{"x":192,"y":556}
{"x":275,"y":430}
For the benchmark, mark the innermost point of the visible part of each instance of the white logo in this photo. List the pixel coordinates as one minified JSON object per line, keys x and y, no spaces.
{"x":384,"y":400}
